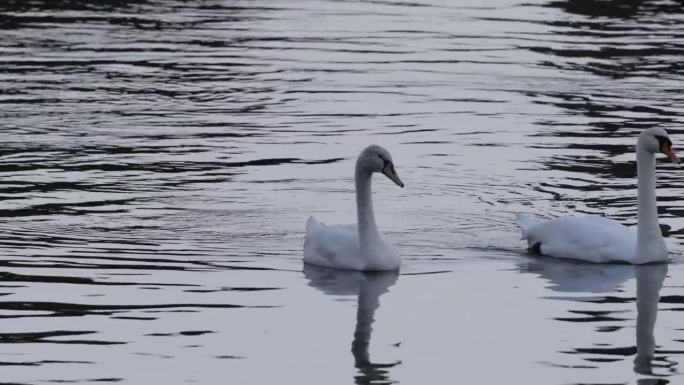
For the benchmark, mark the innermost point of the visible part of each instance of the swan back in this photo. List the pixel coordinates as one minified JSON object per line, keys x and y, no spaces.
{"x":589,"y":238}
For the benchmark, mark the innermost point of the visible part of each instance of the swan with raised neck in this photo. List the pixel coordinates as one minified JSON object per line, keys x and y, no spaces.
{"x":599,"y":239}
{"x":359,"y":247}
{"x":650,"y":245}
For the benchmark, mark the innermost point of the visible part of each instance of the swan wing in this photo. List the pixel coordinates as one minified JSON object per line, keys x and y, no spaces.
{"x":588,"y":238}
{"x":331,"y":246}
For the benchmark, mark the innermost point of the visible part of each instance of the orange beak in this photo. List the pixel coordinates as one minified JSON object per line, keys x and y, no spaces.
{"x":666,"y":149}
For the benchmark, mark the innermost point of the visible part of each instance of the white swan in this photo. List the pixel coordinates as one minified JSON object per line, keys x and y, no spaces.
{"x":355,"y":247}
{"x":598,"y":239}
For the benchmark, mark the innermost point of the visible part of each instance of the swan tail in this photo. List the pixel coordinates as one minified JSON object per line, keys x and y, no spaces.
{"x":312,"y":225}
{"x":525,"y":223}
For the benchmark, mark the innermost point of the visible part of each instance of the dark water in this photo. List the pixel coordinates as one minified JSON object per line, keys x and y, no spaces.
{"x":159,"y":159}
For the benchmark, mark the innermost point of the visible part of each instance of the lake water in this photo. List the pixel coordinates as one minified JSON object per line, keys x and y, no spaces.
{"x":159,"y":160}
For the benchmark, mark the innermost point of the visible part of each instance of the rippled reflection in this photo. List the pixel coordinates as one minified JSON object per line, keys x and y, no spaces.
{"x":650,"y":280}
{"x":368,"y":287}
{"x":607,"y":281}
{"x":159,"y":159}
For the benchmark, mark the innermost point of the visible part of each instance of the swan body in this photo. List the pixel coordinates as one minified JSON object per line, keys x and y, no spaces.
{"x":359,"y":246}
{"x":598,"y":239}
{"x":591,"y":238}
{"x":337,"y":246}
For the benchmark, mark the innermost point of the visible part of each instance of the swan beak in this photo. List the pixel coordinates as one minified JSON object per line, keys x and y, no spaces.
{"x":666,"y":148}
{"x":389,"y":172}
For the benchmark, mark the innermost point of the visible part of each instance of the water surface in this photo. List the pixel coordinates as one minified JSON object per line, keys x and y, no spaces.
{"x":159,"y":160}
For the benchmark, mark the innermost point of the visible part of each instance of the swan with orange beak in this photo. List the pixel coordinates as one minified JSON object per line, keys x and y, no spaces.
{"x":600,"y":239}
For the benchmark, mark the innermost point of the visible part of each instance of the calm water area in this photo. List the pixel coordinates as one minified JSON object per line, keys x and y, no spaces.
{"x":159,"y":159}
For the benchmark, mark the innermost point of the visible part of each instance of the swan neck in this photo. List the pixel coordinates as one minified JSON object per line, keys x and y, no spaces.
{"x":368,"y":230}
{"x":648,"y":229}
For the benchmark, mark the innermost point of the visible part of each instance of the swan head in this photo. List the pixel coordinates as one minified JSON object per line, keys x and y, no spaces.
{"x":376,"y":159}
{"x":654,"y":140}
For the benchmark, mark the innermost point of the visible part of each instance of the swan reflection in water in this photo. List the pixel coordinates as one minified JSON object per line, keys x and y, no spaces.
{"x":649,"y":282}
{"x":368,"y":287}
{"x":568,"y":276}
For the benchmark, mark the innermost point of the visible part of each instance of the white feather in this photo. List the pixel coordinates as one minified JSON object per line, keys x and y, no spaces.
{"x":589,"y":238}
